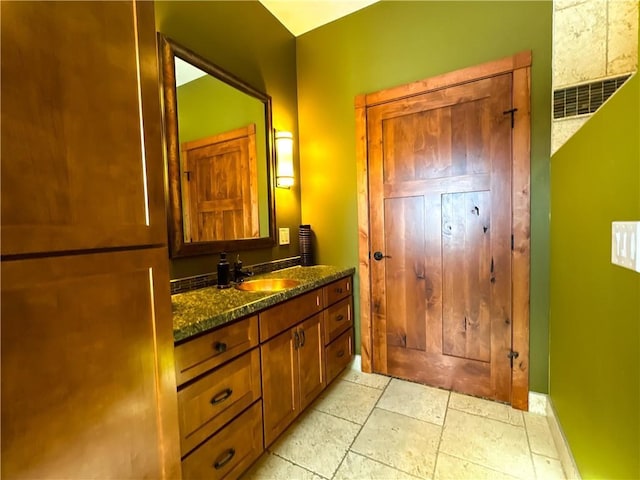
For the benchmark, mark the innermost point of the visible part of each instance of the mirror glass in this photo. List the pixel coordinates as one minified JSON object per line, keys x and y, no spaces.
{"x":219,"y":157}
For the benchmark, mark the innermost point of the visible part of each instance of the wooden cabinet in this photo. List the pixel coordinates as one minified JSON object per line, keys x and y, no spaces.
{"x":292,"y":374}
{"x":229,"y":452}
{"x":219,"y":401}
{"x":242,"y":385}
{"x":338,"y":326}
{"x":78,"y":82}
{"x":88,"y":383}
{"x":306,"y":354}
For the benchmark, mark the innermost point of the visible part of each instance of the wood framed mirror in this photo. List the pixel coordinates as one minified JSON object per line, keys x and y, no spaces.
{"x":220,"y":157}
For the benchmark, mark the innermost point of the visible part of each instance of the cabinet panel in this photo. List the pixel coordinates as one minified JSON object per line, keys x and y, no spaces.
{"x":78,"y":82}
{"x":337,"y":319}
{"x":310,"y":360}
{"x":338,"y":354}
{"x":213,"y":400}
{"x":280,"y":393}
{"x":277,"y":319}
{"x":336,"y":291}
{"x":212,"y":349}
{"x":88,"y":389}
{"x":228,"y":453}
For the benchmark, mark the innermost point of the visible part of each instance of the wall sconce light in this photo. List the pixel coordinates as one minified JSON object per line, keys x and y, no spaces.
{"x":284,"y":156}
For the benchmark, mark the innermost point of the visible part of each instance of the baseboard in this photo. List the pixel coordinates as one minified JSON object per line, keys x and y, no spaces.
{"x":566,"y":457}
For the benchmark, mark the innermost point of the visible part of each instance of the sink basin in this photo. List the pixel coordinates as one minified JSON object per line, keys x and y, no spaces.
{"x":267,"y":285}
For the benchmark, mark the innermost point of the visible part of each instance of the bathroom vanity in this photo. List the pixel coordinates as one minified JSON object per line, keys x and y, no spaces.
{"x":249,"y":362}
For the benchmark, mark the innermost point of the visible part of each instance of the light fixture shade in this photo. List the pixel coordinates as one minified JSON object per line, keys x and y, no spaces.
{"x":284,"y":153}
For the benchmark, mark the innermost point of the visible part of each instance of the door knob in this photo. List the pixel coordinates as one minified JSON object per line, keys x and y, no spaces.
{"x":379,"y":256}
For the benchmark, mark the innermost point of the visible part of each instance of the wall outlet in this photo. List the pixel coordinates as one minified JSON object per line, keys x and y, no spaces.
{"x":625,"y":244}
{"x":283,"y":236}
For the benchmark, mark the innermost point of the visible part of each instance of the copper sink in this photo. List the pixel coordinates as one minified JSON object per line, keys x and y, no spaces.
{"x":267,"y":285}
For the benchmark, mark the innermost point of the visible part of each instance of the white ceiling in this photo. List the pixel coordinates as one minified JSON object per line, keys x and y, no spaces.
{"x":300,"y":16}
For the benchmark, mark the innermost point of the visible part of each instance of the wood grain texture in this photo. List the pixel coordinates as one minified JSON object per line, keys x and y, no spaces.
{"x":285,"y":315}
{"x":213,"y":400}
{"x":198,"y":355}
{"x":231,"y":451}
{"x":219,"y":181}
{"x":78,"y":171}
{"x":457,"y":77}
{"x":311,"y":360}
{"x":521,"y":221}
{"x":338,"y":355}
{"x":89,"y":383}
{"x":280,"y":389}
{"x":364,"y":273}
{"x":478,"y":179}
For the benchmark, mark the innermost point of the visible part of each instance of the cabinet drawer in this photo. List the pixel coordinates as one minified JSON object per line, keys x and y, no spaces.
{"x":213,"y":400}
{"x":336,"y":291}
{"x":338,"y":354}
{"x":277,"y":319}
{"x":229,"y":452}
{"x":196,"y":356}
{"x":337,"y":319}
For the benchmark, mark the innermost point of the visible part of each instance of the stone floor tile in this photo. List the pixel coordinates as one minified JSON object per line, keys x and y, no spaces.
{"x":414,"y":400}
{"x":401,"y":442}
{"x":490,"y":443}
{"x":348,"y":400}
{"x":317,"y":442}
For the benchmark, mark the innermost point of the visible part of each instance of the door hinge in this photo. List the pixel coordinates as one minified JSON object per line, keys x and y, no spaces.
{"x":512,"y":112}
{"x":187,"y":174}
{"x":512,"y":355}
{"x":512,"y":242}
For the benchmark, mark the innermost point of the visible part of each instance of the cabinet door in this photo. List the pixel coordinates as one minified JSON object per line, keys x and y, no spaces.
{"x":88,"y":387}
{"x":80,"y":137}
{"x":311,"y":360}
{"x":280,"y":394}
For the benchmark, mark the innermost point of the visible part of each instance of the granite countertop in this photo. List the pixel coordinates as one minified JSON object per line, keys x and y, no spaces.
{"x":206,"y":308}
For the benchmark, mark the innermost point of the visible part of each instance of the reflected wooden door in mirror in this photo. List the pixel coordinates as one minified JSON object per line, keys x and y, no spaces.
{"x":219,"y":157}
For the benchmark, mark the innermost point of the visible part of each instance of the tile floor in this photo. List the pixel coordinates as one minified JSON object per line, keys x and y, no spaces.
{"x":367,"y":426}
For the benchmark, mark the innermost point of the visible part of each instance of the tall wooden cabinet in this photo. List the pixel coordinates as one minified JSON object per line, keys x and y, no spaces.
{"x":88,"y":386}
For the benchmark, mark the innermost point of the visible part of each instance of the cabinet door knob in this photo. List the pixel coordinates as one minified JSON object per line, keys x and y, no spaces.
{"x":224,"y":459}
{"x":220,"y":347}
{"x":222,"y":396}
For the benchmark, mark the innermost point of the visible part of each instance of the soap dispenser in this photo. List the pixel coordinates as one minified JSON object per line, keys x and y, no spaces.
{"x":223,"y":271}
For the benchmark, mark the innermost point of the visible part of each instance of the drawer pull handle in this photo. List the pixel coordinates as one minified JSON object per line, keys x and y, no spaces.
{"x":220,"y":347}
{"x":224,"y":459}
{"x":303,"y":338}
{"x":222,"y":396}
{"x":340,"y":354}
{"x":296,"y":340}
{"x":339,"y":290}
{"x":339,"y":317}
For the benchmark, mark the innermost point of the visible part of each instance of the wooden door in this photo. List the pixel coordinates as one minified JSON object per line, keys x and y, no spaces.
{"x":440,"y":212}
{"x":221,"y":186}
{"x":311,"y":360}
{"x":88,"y":389}
{"x":79,"y":81}
{"x":280,"y":391}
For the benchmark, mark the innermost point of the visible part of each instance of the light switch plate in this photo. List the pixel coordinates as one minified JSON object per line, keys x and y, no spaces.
{"x":283,"y":236}
{"x":625,"y":244}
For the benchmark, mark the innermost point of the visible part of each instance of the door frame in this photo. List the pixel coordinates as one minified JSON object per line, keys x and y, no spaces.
{"x":519,"y":65}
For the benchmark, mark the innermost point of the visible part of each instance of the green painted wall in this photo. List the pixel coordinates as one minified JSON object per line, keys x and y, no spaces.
{"x":393,"y":43}
{"x":595,"y":306}
{"x":246,"y":40}
{"x":208,"y":106}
